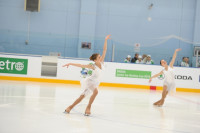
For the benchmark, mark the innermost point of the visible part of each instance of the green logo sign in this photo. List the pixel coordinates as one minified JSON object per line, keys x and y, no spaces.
{"x":13,"y":65}
{"x":161,"y":77}
{"x":133,"y":73}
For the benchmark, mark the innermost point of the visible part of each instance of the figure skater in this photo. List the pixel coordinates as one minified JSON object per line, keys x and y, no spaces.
{"x":169,"y":82}
{"x":91,"y":83}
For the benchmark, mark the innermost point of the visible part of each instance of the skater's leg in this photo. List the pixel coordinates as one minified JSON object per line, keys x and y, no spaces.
{"x":156,"y":103}
{"x":164,"y":94}
{"x":87,"y":111}
{"x":75,"y":103}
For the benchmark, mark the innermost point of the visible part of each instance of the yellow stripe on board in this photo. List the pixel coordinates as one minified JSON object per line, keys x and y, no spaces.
{"x":181,"y":89}
{"x":124,"y":85}
{"x":102,"y":84}
{"x":39,"y":80}
{"x":188,"y":90}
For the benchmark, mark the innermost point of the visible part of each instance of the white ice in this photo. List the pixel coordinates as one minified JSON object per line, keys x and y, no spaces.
{"x":32,"y":107}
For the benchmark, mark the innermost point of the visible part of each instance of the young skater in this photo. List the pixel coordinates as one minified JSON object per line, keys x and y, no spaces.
{"x":169,"y":82}
{"x":91,"y":83}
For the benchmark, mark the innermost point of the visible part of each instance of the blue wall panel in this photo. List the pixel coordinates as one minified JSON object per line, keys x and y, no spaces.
{"x":62,"y":25}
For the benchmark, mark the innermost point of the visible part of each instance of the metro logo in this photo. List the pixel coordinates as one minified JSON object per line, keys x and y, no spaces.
{"x":13,"y":65}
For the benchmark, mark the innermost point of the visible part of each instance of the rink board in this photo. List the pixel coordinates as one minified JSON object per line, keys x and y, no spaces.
{"x":115,"y":74}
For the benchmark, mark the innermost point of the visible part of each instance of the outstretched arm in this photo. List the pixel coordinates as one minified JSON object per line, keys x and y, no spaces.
{"x":105,"y":48}
{"x":155,"y":76}
{"x":79,"y":65}
{"x":174,"y":57}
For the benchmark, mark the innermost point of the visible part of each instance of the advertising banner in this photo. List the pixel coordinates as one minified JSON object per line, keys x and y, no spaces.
{"x":13,"y":65}
{"x":133,"y":73}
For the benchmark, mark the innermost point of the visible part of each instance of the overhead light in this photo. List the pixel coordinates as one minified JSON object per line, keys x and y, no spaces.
{"x":149,"y":18}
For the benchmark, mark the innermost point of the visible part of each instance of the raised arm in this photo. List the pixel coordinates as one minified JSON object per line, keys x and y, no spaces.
{"x":90,"y":66}
{"x":174,"y":58}
{"x":105,"y":48}
{"x":156,"y":75}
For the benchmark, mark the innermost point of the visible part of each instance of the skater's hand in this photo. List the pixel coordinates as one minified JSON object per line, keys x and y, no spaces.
{"x":108,"y":37}
{"x":177,"y":50}
{"x":66,"y":65}
{"x":150,"y":80}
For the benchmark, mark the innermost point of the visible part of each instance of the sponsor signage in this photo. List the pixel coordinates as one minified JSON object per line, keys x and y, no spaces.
{"x":13,"y":65}
{"x":179,"y":77}
{"x":161,"y":77}
{"x":183,"y":77}
{"x":133,"y":73}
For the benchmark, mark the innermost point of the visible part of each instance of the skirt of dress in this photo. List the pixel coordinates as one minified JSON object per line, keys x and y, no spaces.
{"x":89,"y":85}
{"x":171,"y":86}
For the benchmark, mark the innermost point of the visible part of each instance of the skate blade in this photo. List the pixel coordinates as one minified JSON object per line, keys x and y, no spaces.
{"x":65,"y":112}
{"x":86,"y":114}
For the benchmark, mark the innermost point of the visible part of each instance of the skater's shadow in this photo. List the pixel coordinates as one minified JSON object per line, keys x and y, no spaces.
{"x":78,"y":121}
{"x":161,"y":111}
{"x":163,"y":120}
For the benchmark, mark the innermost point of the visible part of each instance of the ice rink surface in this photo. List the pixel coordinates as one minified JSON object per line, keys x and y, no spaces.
{"x":32,"y":107}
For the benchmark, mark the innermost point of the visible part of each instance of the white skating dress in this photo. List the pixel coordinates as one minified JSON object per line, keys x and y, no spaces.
{"x":89,"y":84}
{"x":169,"y":79}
